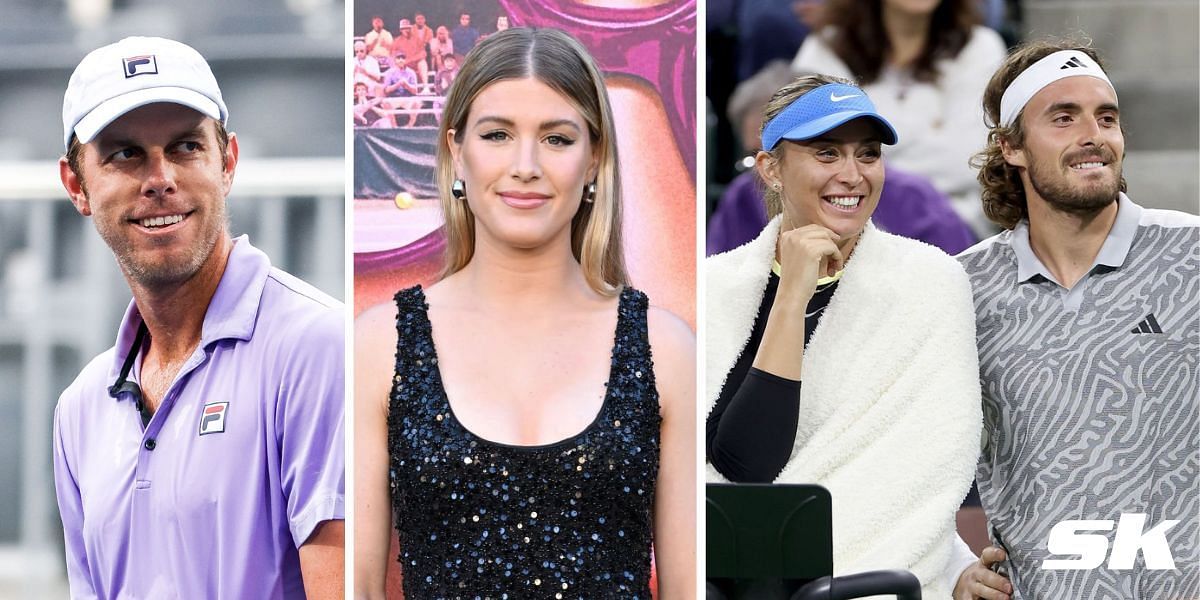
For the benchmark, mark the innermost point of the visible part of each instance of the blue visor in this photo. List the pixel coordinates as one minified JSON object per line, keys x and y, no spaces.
{"x":820,"y":110}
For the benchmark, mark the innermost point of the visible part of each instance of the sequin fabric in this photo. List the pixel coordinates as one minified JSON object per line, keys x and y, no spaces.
{"x":480,"y":519}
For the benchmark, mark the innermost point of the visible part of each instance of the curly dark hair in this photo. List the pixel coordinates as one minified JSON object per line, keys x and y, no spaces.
{"x":1003,"y":193}
{"x":859,"y":39}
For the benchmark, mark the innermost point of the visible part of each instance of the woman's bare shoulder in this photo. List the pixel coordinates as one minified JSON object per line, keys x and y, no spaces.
{"x":672,"y":341}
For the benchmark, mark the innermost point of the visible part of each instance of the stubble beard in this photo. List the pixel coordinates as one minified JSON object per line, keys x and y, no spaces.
{"x":165,"y":273}
{"x":1082,"y":201}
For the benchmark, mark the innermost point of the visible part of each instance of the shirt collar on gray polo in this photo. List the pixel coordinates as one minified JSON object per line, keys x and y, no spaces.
{"x":1112,"y":253}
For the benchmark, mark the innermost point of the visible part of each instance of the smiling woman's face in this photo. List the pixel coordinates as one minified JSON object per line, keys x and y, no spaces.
{"x":525,"y":157}
{"x":833,"y":181}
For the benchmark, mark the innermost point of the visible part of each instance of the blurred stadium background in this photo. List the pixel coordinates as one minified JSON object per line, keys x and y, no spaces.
{"x":1151,"y":49}
{"x":280,"y":64}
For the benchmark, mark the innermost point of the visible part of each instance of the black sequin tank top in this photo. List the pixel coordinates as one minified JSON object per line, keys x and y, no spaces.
{"x":480,"y":519}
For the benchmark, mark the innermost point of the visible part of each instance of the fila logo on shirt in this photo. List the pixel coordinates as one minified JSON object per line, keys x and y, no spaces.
{"x":212,"y":420}
{"x":140,"y":65}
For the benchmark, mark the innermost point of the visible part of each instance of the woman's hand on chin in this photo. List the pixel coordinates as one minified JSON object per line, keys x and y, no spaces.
{"x":807,"y":254}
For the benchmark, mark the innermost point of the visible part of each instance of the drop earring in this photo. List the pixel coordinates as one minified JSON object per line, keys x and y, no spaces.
{"x":458,"y":189}
{"x":589,"y":195}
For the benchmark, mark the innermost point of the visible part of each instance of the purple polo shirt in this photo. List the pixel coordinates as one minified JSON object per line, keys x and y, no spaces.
{"x":240,"y":463}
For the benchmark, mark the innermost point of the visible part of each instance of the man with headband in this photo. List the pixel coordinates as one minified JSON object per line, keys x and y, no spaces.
{"x":201,"y":456}
{"x":1086,"y":315}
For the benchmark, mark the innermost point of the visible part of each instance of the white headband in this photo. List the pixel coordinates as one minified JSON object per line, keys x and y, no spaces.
{"x":1060,"y":65}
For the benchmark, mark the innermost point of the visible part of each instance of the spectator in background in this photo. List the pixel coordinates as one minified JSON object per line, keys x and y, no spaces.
{"x":400,"y":87}
{"x":440,"y":46}
{"x":909,"y":206}
{"x":367,"y":112}
{"x":445,"y":77}
{"x":772,"y":30}
{"x":464,"y":36}
{"x":442,"y":81}
{"x":366,"y":68}
{"x":378,"y":39}
{"x":501,"y":25}
{"x":413,"y":48}
{"x":810,"y":12}
{"x":925,"y":63}
{"x":421,"y":31}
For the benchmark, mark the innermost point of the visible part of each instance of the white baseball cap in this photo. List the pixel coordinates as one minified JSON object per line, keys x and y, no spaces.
{"x":134,"y":72}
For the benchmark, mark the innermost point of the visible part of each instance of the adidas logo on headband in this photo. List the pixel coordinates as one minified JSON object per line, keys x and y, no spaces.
{"x":1074,"y":62}
{"x":1059,"y":65}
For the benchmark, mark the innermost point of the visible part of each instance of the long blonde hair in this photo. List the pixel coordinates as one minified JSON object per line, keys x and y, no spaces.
{"x":562,"y":63}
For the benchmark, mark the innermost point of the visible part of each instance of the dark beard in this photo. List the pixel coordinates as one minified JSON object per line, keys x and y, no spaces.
{"x":1078,"y":201}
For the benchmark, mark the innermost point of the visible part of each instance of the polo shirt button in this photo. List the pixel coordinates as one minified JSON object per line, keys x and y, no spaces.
{"x":150,"y":444}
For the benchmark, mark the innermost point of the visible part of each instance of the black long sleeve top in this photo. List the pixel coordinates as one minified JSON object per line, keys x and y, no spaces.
{"x":751,"y":430}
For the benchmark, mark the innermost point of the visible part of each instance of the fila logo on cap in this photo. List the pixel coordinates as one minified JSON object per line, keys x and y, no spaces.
{"x":140,"y":65}
{"x":1071,"y":64}
{"x":213,"y":418}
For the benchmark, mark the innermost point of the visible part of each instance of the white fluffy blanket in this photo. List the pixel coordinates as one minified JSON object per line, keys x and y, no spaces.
{"x":890,"y":411}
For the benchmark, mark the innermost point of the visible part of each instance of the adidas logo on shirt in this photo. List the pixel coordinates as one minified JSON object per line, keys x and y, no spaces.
{"x":1148,"y":325}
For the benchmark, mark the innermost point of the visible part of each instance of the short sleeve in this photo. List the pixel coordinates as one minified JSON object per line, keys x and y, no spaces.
{"x":312,"y":426}
{"x":70,"y":509}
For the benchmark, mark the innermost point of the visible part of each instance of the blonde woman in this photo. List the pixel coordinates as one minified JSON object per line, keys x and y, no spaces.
{"x":842,"y":355}
{"x":511,"y":422}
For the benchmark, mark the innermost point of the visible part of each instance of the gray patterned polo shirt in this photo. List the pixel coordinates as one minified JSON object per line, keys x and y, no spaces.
{"x":1090,"y":404}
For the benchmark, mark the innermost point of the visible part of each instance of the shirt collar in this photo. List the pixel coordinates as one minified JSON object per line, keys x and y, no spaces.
{"x":232,"y":312}
{"x":1112,"y":253}
{"x":1120,"y":238}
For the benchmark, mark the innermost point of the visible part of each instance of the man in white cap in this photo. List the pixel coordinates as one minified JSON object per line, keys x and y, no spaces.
{"x":1086,"y":317}
{"x":202,"y":455}
{"x":413,"y":49}
{"x":366,"y":68}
